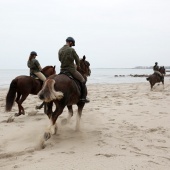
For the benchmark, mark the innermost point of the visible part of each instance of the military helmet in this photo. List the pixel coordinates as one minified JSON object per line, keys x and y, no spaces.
{"x":33,"y":53}
{"x":71,"y":39}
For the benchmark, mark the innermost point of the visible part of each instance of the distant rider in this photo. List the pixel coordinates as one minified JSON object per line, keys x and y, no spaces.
{"x":156,"y":70}
{"x":35,"y":67}
{"x":67,"y":56}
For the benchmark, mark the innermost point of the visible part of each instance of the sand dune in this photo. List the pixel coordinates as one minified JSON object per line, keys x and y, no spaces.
{"x":124,"y":127}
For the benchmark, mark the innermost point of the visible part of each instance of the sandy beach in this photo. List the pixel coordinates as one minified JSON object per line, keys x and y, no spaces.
{"x":124,"y":127}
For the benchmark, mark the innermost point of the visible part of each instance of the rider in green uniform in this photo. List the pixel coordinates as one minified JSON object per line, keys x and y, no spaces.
{"x":156,"y":70}
{"x":35,"y":67}
{"x":67,"y":55}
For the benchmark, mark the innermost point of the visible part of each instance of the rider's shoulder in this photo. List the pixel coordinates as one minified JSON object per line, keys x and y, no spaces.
{"x":34,"y":59}
{"x":71,"y":49}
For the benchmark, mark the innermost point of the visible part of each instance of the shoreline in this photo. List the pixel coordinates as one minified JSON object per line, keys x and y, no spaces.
{"x":102,"y":76}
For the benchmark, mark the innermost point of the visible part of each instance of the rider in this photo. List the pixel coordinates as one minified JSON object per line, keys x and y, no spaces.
{"x":67,"y":56}
{"x":156,"y":70}
{"x":35,"y":67}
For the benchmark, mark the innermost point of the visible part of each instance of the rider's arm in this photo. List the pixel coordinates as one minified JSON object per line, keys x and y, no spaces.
{"x":38,"y":65}
{"x":76,"y":58}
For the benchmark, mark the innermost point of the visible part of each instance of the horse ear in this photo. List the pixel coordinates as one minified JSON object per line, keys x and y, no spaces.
{"x":54,"y":67}
{"x":84,"y":57}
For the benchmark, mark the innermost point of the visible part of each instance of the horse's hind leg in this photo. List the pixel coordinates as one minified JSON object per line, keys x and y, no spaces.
{"x":70,"y":114}
{"x":53,"y":126}
{"x":19,"y":102}
{"x":79,"y":113}
{"x":152,"y":84}
{"x":163,"y":81}
{"x":40,"y":106}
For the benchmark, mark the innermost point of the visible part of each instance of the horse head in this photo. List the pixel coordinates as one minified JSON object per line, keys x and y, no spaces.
{"x":48,"y":70}
{"x":162,"y":70}
{"x":84,"y":67}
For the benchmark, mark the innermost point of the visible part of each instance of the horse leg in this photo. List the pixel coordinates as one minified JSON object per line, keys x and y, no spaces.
{"x":19,"y":102}
{"x":163,"y":81}
{"x":79,"y":113}
{"x":48,"y":108}
{"x":152,"y":84}
{"x":40,"y":106}
{"x":52,"y":129}
{"x":16,"y":100}
{"x":70,"y":114}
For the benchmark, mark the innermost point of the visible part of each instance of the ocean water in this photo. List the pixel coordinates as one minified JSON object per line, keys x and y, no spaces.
{"x":98,"y":75}
{"x":114,"y":76}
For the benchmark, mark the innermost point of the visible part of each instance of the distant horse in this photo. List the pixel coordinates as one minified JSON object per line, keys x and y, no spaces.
{"x":155,"y":78}
{"x":23,"y":86}
{"x":62,"y":91}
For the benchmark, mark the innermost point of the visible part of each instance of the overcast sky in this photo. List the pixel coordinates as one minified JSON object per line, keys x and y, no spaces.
{"x":111,"y":33}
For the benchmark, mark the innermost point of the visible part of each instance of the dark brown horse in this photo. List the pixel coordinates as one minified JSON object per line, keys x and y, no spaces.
{"x":156,"y":78}
{"x":22,"y":86}
{"x":61,"y":90}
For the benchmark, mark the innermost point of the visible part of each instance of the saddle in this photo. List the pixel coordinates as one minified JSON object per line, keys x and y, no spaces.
{"x":161,"y":77}
{"x":68,"y":74}
{"x":81,"y":86}
{"x":36,"y":78}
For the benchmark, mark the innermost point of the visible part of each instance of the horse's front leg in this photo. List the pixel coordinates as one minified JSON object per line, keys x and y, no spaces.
{"x":79,"y":113}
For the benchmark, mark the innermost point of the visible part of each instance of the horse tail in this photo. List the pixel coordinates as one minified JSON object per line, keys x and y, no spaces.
{"x":11,"y":95}
{"x":48,"y":92}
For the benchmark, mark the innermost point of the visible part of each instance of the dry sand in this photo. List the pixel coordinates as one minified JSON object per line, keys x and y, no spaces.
{"x":124,"y":127}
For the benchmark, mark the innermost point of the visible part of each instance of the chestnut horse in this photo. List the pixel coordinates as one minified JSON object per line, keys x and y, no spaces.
{"x":23,"y":86}
{"x":155,"y":77}
{"x":61,"y":90}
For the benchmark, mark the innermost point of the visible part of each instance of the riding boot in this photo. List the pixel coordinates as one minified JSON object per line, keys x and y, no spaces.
{"x":83,"y":93}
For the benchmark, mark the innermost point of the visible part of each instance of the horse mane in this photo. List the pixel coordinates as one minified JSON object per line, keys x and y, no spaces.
{"x":161,"y":67}
{"x":46,"y":68}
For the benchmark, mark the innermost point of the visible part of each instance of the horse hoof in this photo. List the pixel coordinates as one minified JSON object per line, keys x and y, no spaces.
{"x":64,"y":121}
{"x":47,"y":136}
{"x":17,"y":114}
{"x":37,"y":107}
